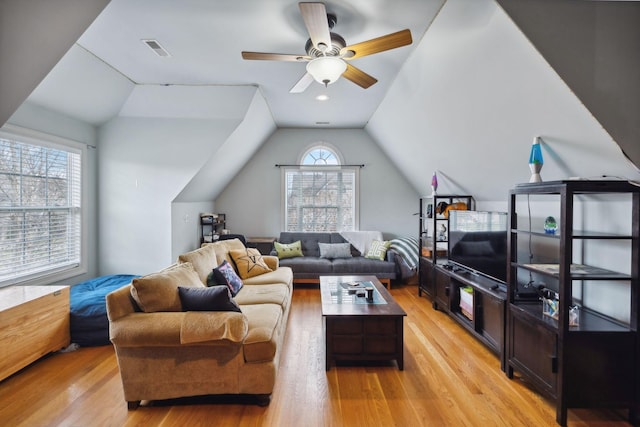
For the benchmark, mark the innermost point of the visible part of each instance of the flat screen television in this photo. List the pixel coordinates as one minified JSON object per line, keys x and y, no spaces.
{"x":478,"y":242}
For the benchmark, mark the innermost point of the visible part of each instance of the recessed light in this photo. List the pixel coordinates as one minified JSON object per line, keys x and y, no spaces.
{"x":322,"y":97}
{"x":322,"y":123}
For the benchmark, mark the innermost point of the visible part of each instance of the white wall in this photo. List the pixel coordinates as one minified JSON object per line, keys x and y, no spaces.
{"x":252,"y":201}
{"x":185,"y":226}
{"x":144,"y":163}
{"x":469,"y":101}
{"x":40,"y":119}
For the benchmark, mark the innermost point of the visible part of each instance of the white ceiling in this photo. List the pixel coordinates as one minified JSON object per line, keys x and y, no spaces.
{"x":97,"y":76}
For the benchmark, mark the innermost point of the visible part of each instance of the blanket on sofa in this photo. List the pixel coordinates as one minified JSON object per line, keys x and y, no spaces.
{"x":408,"y":249}
{"x":361,"y":240}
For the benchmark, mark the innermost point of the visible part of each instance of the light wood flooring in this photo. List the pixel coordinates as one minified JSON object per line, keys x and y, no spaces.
{"x":450,"y":379}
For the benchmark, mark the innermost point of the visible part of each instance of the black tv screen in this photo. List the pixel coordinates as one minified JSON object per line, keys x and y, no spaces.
{"x":478,"y":242}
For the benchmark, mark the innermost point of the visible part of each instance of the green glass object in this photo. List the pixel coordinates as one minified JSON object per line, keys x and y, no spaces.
{"x":550,"y":225}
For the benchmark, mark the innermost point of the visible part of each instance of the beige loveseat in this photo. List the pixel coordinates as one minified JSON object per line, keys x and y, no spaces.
{"x":164,"y":352}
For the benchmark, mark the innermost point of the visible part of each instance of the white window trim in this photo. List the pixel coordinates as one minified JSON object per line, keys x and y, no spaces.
{"x":52,"y":141}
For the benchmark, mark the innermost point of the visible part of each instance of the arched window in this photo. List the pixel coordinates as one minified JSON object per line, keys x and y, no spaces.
{"x":320,"y":155}
{"x":321,"y":194}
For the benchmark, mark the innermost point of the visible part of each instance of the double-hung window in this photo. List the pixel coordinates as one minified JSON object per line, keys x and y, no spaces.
{"x":320,"y":195}
{"x":40,"y":206}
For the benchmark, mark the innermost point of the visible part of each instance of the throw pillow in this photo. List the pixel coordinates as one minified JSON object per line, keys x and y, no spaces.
{"x":215,"y":298}
{"x":224,"y":274}
{"x":249,"y":262}
{"x":378,"y":250}
{"x":159,"y":291}
{"x":290,"y":250}
{"x":335,"y":250}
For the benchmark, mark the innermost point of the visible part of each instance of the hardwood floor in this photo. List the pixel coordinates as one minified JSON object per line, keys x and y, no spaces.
{"x":449,"y":379}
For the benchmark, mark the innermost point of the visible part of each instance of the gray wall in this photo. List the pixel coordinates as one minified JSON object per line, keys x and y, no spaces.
{"x":34,"y":35}
{"x":253,"y":203}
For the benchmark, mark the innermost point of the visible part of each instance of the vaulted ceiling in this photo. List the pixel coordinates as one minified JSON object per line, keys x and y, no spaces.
{"x":109,"y":71}
{"x":204,"y":40}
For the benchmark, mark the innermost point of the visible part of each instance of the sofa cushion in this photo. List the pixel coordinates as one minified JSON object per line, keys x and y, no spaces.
{"x":303,"y":265}
{"x":272,"y":261}
{"x":203,"y":260}
{"x":249,"y":262}
{"x":260,"y":343}
{"x":378,"y":249}
{"x":222,"y":248}
{"x":224,"y":274}
{"x":276,"y":293}
{"x":364,"y":266}
{"x":159,"y":291}
{"x":335,"y":250}
{"x":200,"y":326}
{"x":283,"y":275}
{"x":288,"y":250}
{"x":215,"y":298}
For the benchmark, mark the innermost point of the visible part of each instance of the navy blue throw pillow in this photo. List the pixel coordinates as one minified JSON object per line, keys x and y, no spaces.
{"x":224,"y":274}
{"x":215,"y":298}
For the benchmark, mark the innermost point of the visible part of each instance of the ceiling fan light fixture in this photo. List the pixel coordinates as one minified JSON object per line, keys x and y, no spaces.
{"x":326,"y":69}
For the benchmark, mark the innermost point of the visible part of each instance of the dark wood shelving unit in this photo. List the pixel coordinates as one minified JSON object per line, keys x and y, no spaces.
{"x":592,"y":362}
{"x":443,"y":283}
{"x":211,"y":226}
{"x":433,"y":245}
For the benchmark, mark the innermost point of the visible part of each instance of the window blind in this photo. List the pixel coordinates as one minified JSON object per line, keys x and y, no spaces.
{"x":40,"y":209}
{"x":322,"y":199}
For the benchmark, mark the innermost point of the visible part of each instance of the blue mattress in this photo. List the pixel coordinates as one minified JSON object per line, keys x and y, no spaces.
{"x":89,"y":323}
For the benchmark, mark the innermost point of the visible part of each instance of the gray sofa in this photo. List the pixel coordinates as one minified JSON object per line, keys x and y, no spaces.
{"x":308,"y":268}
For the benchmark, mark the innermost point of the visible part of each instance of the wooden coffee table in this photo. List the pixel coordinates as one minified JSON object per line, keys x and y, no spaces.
{"x":356,"y":329}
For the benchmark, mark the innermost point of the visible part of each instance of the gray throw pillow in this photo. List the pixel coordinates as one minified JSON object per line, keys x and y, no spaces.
{"x":335,"y":250}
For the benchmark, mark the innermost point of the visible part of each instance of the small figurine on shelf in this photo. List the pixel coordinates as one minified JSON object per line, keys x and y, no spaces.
{"x":434,"y":184}
{"x":550,"y":225}
{"x":442,"y":233}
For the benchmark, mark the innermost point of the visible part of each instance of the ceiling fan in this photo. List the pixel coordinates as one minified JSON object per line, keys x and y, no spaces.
{"x":327,"y":54}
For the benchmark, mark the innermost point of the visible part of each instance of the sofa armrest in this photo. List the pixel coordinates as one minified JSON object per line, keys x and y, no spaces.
{"x":146,"y":329}
{"x":273,"y":262}
{"x":120,"y":303}
{"x":177,"y":328}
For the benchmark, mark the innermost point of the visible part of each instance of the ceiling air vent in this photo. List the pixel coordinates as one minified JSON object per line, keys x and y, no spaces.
{"x":156,"y":47}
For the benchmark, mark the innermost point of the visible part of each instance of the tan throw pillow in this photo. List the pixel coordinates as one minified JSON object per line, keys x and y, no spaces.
{"x":159,"y":291}
{"x":249,"y":262}
{"x":203,"y":260}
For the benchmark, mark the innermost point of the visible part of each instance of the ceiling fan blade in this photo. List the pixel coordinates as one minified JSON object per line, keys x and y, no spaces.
{"x":275,"y":57}
{"x":302,"y":84}
{"x":315,"y":18}
{"x":379,"y":44}
{"x":358,"y":77}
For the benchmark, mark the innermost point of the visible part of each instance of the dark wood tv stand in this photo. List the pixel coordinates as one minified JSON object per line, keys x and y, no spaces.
{"x":487,"y":322}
